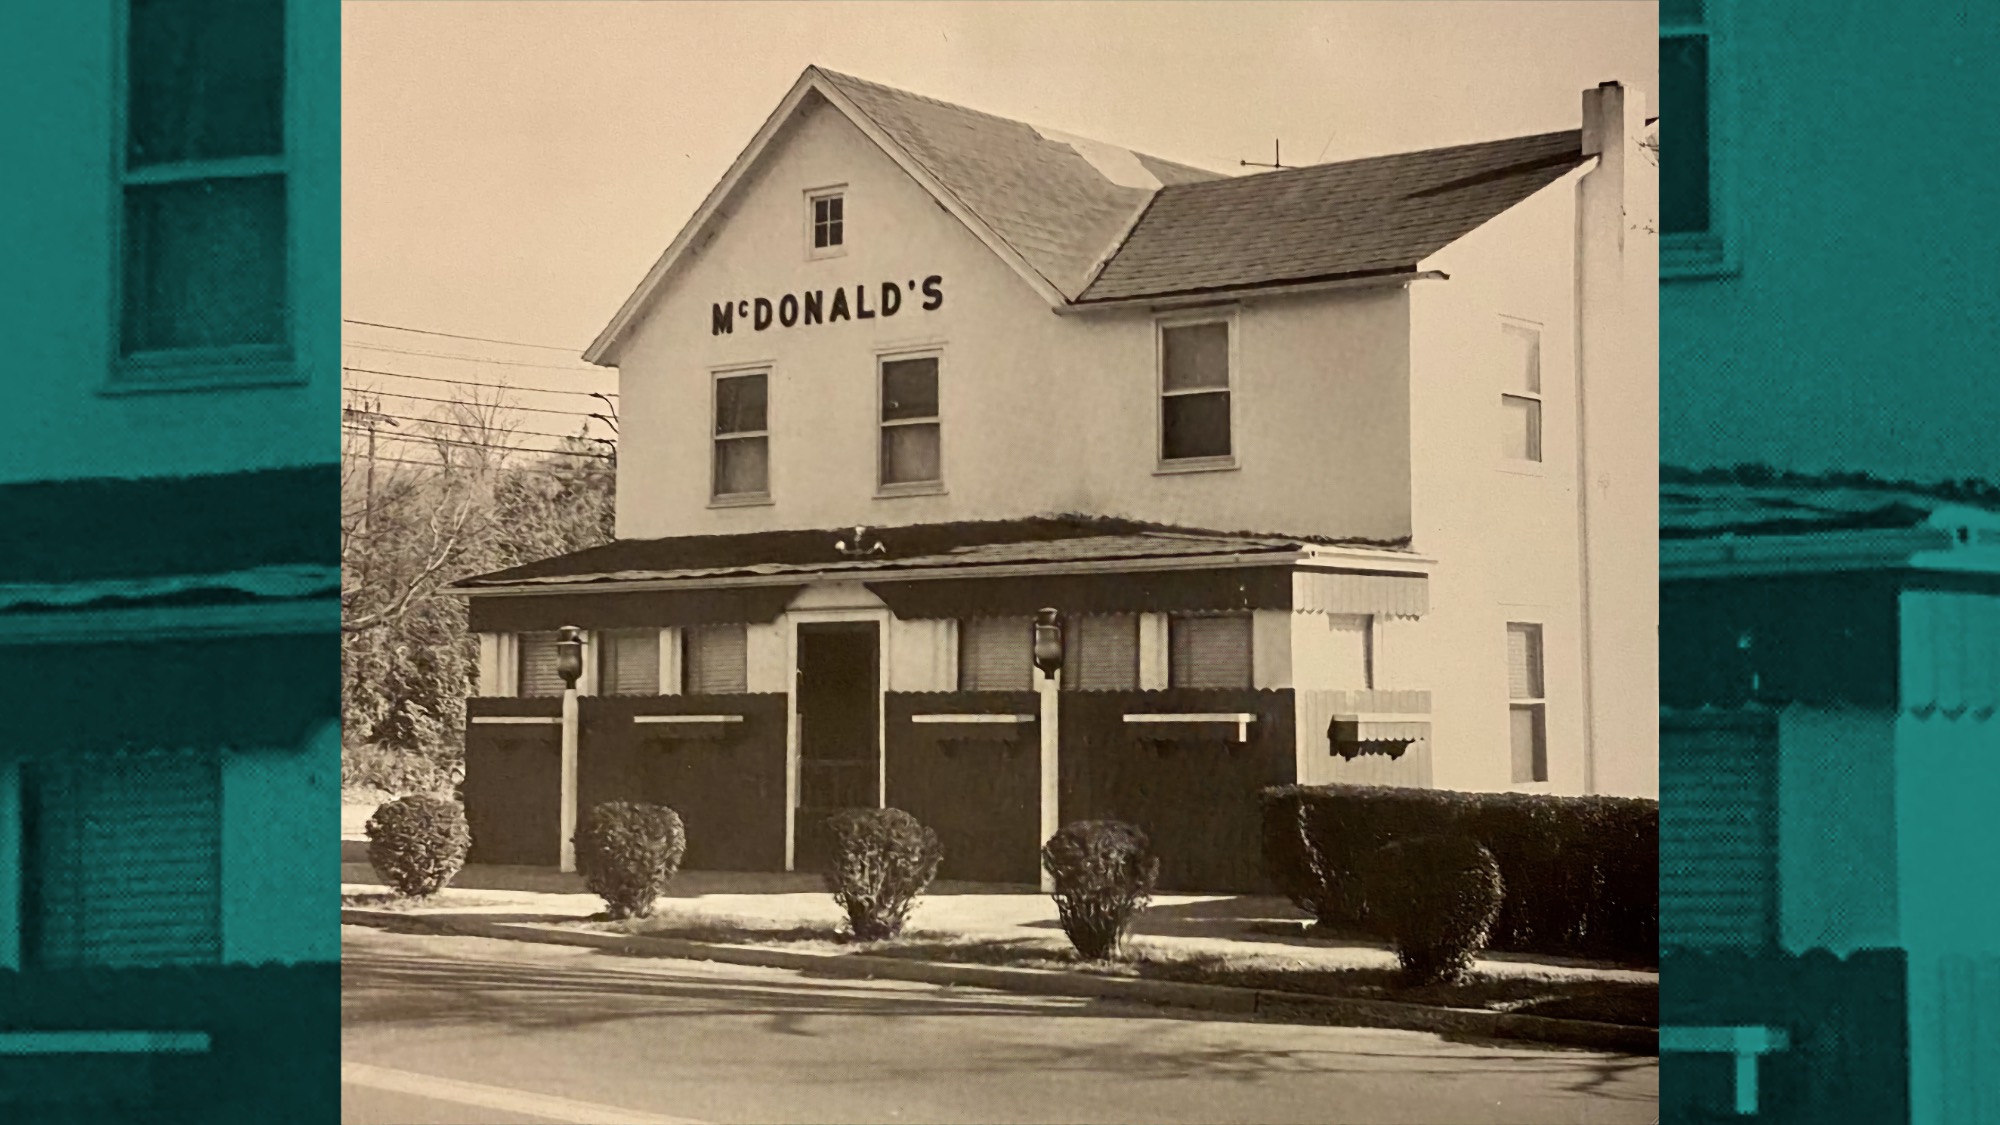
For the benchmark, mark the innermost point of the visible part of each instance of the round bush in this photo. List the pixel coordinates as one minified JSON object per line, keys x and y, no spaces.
{"x":628,"y":853}
{"x":1103,"y":872}
{"x":418,"y":843}
{"x":1436,"y":898}
{"x":880,"y":861}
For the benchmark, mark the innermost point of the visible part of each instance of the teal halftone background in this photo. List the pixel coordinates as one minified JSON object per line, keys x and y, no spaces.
{"x":1830,"y":752}
{"x":169,"y":553}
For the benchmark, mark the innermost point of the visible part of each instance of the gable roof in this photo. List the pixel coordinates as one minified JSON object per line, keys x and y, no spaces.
{"x":1084,"y":222}
{"x":1355,"y":218}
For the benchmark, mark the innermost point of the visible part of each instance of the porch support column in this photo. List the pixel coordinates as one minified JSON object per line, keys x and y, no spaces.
{"x":569,"y":724}
{"x":1048,"y":687}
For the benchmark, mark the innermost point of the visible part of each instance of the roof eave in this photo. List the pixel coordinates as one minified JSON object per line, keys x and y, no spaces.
{"x":1221,"y":293}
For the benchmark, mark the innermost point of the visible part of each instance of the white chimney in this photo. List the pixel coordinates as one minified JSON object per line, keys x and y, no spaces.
{"x":1617,"y":446}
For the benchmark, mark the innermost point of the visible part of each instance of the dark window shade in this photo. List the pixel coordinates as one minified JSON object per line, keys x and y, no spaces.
{"x":1209,"y":650}
{"x":629,"y":662}
{"x":912,"y":454}
{"x":1195,"y":425}
{"x":741,"y":404}
{"x":1524,"y":661}
{"x":538,"y":665}
{"x":742,"y":466}
{"x":1527,"y":730}
{"x":1684,"y":134}
{"x":996,"y":654}
{"x":909,"y":388}
{"x":204,"y":264}
{"x":715,"y":660}
{"x":206,"y":80}
{"x":1102,"y":652}
{"x":1195,"y":356}
{"x":125,"y":864}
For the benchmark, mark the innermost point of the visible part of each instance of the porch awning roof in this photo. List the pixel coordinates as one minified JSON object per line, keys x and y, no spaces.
{"x":884,"y":551}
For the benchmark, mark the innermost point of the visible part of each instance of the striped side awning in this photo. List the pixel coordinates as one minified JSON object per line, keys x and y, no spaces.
{"x":1361,"y":728}
{"x":1359,"y":592}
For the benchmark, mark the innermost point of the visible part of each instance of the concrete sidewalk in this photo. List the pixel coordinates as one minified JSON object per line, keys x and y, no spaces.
{"x":1230,"y":925}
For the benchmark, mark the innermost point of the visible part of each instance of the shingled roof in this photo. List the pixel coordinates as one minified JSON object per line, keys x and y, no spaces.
{"x":1086,"y":222}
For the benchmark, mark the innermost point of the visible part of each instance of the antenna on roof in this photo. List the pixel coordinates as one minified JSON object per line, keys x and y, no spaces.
{"x":1276,"y":160}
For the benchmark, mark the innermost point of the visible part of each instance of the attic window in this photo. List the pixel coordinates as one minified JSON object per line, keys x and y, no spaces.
{"x":829,"y":222}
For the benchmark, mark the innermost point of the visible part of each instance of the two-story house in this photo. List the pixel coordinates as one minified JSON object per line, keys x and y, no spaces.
{"x":1344,"y":472}
{"x":169,"y":578}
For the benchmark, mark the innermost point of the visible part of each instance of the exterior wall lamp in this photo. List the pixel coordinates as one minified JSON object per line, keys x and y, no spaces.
{"x":1048,"y":643}
{"x":569,"y":655}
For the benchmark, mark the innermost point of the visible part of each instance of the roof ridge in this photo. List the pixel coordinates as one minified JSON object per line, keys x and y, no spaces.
{"x":1265,"y":177}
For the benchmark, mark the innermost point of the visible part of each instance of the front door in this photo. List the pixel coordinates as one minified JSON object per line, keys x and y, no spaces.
{"x":840,"y":751}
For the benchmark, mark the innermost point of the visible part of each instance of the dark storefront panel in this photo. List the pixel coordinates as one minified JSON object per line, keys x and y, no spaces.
{"x":977,"y":784}
{"x":1193,"y":792}
{"x":513,"y":774}
{"x":1806,"y":638}
{"x":726,"y":780}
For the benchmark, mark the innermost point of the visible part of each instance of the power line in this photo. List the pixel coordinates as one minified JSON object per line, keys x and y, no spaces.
{"x":508,"y":429}
{"x":477,"y":383}
{"x":363,"y":432}
{"x":455,"y":465}
{"x":452,"y":401}
{"x":579,"y":370}
{"x":456,"y":336}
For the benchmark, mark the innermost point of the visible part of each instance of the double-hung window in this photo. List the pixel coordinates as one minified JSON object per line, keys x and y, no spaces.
{"x":203,"y":277}
{"x":742,"y":470}
{"x":1195,"y":427}
{"x":1521,"y":393}
{"x":1692,"y":223}
{"x":912,"y":455}
{"x":1527,"y":706}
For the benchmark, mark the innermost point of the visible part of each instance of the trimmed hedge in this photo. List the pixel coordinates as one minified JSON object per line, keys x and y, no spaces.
{"x":418,"y":843}
{"x":880,"y":861}
{"x":1103,"y":872}
{"x":1581,"y":873}
{"x":628,"y":853}
{"x":1436,"y":898}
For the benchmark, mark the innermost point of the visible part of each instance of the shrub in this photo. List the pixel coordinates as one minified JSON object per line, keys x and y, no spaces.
{"x":879,"y":862}
{"x":628,"y":853}
{"x":1435,"y":897}
{"x":418,"y":843}
{"x":1582,"y":873}
{"x":1103,"y":872}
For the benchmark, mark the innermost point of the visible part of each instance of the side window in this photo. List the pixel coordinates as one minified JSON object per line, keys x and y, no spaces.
{"x":1691,"y":219}
{"x":742,"y":469}
{"x":911,"y":453}
{"x":715,"y":660}
{"x":1521,"y":393}
{"x":629,"y":662}
{"x":996,"y":654}
{"x":1101,"y":652}
{"x":1209,"y":650}
{"x":538,"y":675}
{"x":827,"y":220}
{"x":1527,"y":708}
{"x":203,"y":277}
{"x":1195,"y":394}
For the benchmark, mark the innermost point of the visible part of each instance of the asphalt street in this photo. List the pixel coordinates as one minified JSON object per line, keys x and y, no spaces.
{"x":449,"y":1030}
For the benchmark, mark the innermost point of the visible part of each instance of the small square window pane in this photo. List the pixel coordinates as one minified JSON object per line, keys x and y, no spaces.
{"x":1529,"y":743}
{"x":204,"y":264}
{"x":742,"y":466}
{"x":909,"y":389}
{"x":1195,"y":355}
{"x":206,"y":80}
{"x":1524,"y":359}
{"x":820,"y":235}
{"x":1521,"y":436}
{"x":910,"y":454}
{"x":740,"y":404}
{"x":1194,"y":425}
{"x":1684,"y":187}
{"x":834,"y":209}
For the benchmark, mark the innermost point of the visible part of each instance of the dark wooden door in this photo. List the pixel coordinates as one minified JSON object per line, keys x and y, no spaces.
{"x":839,"y":699}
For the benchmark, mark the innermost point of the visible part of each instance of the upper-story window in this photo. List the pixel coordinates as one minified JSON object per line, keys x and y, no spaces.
{"x":828,"y":215}
{"x":1195,"y":393}
{"x":1521,"y":393}
{"x":742,"y":469}
{"x":1527,"y":706}
{"x":911,"y":454}
{"x":202,"y":174}
{"x":1692,"y":224}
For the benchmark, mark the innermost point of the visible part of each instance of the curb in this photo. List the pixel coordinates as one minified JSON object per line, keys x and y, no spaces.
{"x":1287,"y":1007}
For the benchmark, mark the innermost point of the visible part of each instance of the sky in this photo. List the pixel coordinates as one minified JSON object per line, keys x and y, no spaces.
{"x":511,"y":169}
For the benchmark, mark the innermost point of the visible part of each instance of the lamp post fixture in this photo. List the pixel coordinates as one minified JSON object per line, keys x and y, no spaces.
{"x":569,"y":665}
{"x":1048,"y":653}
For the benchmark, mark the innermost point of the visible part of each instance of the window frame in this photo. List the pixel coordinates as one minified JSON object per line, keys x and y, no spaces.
{"x":1710,"y":253}
{"x":1249,"y":619}
{"x":718,"y":499}
{"x":686,"y":663}
{"x":883,"y":489}
{"x":814,"y":196}
{"x":1535,"y":465}
{"x":1226,"y":316}
{"x":1536,"y":705}
{"x":212,"y":368}
{"x":606,"y":660}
